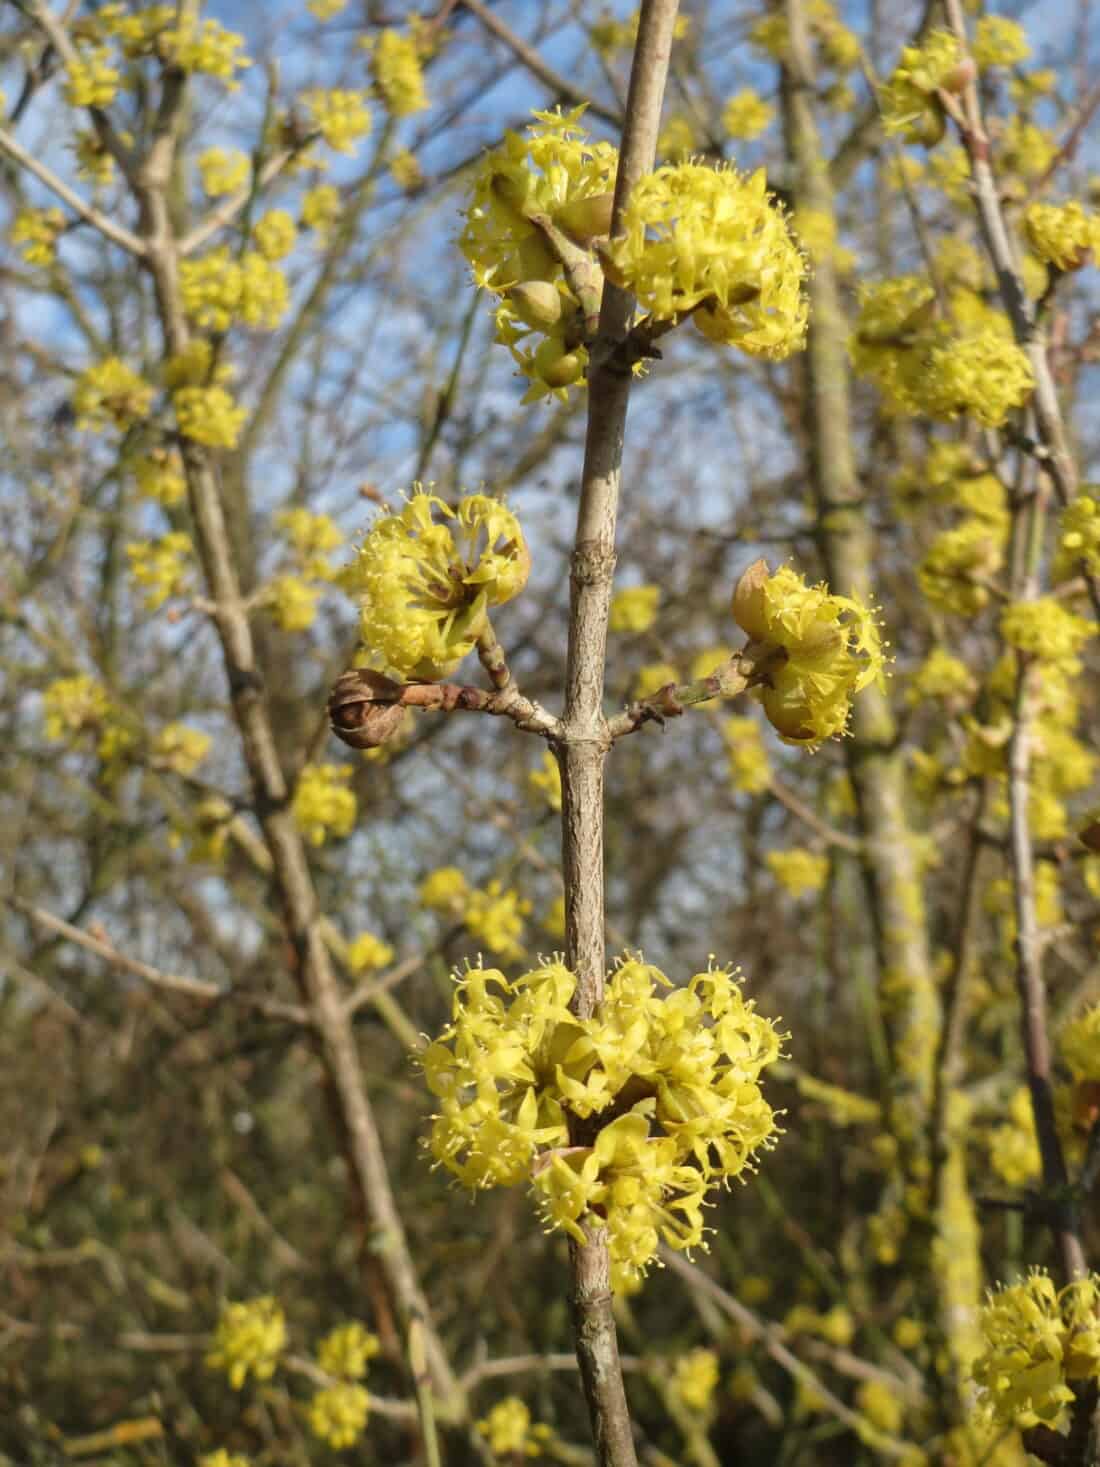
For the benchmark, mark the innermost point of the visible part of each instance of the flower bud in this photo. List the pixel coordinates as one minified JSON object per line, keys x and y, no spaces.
{"x":929,"y":127}
{"x":748,"y":602}
{"x":586,"y":219}
{"x":537,"y":303}
{"x":557,"y":367}
{"x":960,"y":77}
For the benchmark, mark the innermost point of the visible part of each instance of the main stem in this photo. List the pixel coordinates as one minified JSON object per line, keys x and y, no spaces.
{"x":585,"y":739}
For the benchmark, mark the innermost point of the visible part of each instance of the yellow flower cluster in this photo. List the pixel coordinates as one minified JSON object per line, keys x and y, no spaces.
{"x":608,"y":35}
{"x":750,"y":770}
{"x":909,"y":102}
{"x":922,"y":365}
{"x":338,"y":1414}
{"x":545,"y":781}
{"x":405,"y":171}
{"x":493,"y":915}
{"x":291,"y":598}
{"x":634,"y":609}
{"x":427,"y":577}
{"x":216,"y":289}
{"x":514,"y":1059}
{"x":223,"y":172}
{"x":1061,"y":234}
{"x":559,"y":174}
{"x":93,"y":160}
{"x":1013,"y":1146}
{"x":798,"y":870}
{"x":998,"y":41}
{"x":956,"y":572}
{"x":275,"y":234}
{"x":677,"y":139}
{"x":160,"y":566}
{"x":508,"y":1430}
{"x":111,"y":394}
{"x":179,"y":748}
{"x":1079,"y":533}
{"x":1025,"y":150}
{"x":321,"y":208}
{"x":222,"y":1458}
{"x":208,"y":415}
{"x":395,"y":67}
{"x":37,"y":231}
{"x":91,"y":79}
{"x":249,"y":1339}
{"x":940,"y":676}
{"x":292,"y":603}
{"x":1079,"y":1045}
{"x":880,"y":1406}
{"x":835,"y":1325}
{"x":831,"y":644}
{"x":159,"y":476}
{"x":197,"y":45}
{"x":311,"y":537}
{"x":714,"y":242}
{"x":838,"y":47}
{"x":746,"y":115}
{"x":651,"y":677}
{"x":346,"y":1351}
{"x":1037,"y":1340}
{"x":70,"y":705}
{"x":366,"y":953}
{"x":322,"y":806}
{"x":694,"y":1378}
{"x":206,"y":831}
{"x":1047,"y":631}
{"x":341,"y":117}
{"x":326,"y":9}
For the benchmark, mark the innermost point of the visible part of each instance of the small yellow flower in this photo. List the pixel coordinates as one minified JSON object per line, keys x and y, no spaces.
{"x":346,"y":1350}
{"x":275,"y":234}
{"x":366,"y":953}
{"x":545,"y":781}
{"x":321,"y":208}
{"x":326,"y":9}
{"x":652,"y":677}
{"x":208,"y":415}
{"x":1060,"y":234}
{"x":429,"y":574}
{"x":160,"y":566}
{"x":92,"y":79}
{"x":179,"y":748}
{"x":338,"y":1414}
{"x":750,"y":771}
{"x":223,"y":172}
{"x":694,"y":1377}
{"x":832,"y":646}
{"x":321,"y":805}
{"x":713,"y":242}
{"x":73,"y":704}
{"x":111,"y":394}
{"x":250,"y":1338}
{"x":341,"y":117}
{"x":159,"y":476}
{"x":746,"y":115}
{"x":634,"y":609}
{"x":442,"y":889}
{"x":798,"y":870}
{"x":292,"y":603}
{"x":395,"y":66}
{"x":999,"y":41}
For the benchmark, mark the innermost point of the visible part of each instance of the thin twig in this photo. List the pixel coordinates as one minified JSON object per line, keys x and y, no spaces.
{"x":116,"y":233}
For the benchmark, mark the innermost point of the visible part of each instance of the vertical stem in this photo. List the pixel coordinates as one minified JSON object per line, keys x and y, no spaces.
{"x":1058,"y":472}
{"x":290,"y":867}
{"x":585,"y":740}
